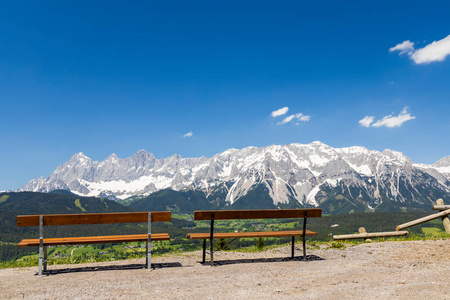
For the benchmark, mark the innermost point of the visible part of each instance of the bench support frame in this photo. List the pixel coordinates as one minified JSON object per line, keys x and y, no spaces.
{"x":303,"y":237}
{"x":211,"y":238}
{"x":204,"y":251}
{"x":292,"y":246}
{"x":149,"y":243}
{"x":42,"y":248}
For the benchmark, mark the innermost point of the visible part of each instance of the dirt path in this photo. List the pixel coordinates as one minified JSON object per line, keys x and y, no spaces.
{"x":388,"y":270}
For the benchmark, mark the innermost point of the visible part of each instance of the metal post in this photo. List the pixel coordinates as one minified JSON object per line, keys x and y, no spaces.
{"x":211,"y":239}
{"x":293,"y":241}
{"x":304,"y":234}
{"x":149,"y":242}
{"x":204,"y":250}
{"x":41,"y":244}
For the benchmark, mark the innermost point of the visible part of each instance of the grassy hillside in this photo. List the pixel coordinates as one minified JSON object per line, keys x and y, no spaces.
{"x":13,"y":204}
{"x":29,"y":203}
{"x":178,"y":202}
{"x":187,"y":201}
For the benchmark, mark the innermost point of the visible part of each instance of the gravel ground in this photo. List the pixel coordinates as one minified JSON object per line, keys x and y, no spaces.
{"x":386,"y":270}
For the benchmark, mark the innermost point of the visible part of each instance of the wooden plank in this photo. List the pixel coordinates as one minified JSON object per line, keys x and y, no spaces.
{"x":363,"y":230}
{"x":257,"y":214}
{"x":423,"y":220}
{"x":230,"y":235}
{"x":441,"y":207}
{"x":101,"y":218}
{"x":369,"y":235}
{"x":445,"y":220}
{"x":95,"y":240}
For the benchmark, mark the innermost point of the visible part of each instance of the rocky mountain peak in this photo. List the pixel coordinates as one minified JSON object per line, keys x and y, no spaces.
{"x":443,"y":162}
{"x":443,"y":166}
{"x":79,"y":157}
{"x":113,"y":157}
{"x":396,"y":157}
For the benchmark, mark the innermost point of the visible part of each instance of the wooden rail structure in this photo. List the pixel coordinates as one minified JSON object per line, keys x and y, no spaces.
{"x":443,"y":214}
{"x":423,"y":220}
{"x":445,"y":220}
{"x":369,"y":235}
{"x":441,"y":207}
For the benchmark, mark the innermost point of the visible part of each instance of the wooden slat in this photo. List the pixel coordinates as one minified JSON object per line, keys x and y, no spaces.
{"x":95,"y":240}
{"x":101,"y":218}
{"x":257,"y":214}
{"x":423,"y":220}
{"x":263,"y":234}
{"x":369,"y":235}
{"x":441,"y":207}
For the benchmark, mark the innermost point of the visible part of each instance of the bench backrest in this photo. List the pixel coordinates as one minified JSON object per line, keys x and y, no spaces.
{"x":100,"y":218}
{"x":257,"y":214}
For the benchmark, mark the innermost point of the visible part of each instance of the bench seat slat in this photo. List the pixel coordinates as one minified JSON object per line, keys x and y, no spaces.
{"x":94,"y":240}
{"x":263,"y":234}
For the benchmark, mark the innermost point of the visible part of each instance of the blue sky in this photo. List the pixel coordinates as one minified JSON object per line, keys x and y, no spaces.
{"x":116,"y":77}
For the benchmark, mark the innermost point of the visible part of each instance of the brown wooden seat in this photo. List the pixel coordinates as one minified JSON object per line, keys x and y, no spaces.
{"x":100,"y":218}
{"x":253,"y":214}
{"x":239,"y":235}
{"x":94,"y":240}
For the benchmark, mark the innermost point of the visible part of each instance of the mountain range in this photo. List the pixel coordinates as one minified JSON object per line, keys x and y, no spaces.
{"x":348,"y":179}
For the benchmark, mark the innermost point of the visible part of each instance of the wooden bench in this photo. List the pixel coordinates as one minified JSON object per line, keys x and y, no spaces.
{"x":253,"y":214}
{"x":100,"y":218}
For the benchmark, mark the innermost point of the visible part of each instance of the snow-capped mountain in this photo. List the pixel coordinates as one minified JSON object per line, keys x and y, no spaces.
{"x":443,"y":166}
{"x":306,"y":174}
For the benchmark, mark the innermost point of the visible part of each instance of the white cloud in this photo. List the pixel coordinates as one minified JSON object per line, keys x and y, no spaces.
{"x":404,"y":47}
{"x":435,"y":51}
{"x":189,"y":134}
{"x":296,"y":117}
{"x":389,"y":120}
{"x":286,"y":120}
{"x":367,"y":121}
{"x":280,"y":112}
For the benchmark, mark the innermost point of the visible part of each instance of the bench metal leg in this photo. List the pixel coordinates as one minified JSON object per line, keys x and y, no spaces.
{"x":304,"y":247}
{"x":204,"y":251}
{"x":212,"y":252}
{"x":293,"y":242}
{"x":304,"y":234}
{"x":149,"y":243}
{"x":211,"y":239}
{"x":45,"y":258}
{"x":41,"y":244}
{"x":40,"y":262}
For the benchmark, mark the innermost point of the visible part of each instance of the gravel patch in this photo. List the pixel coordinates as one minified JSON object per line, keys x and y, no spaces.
{"x":386,"y":270}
